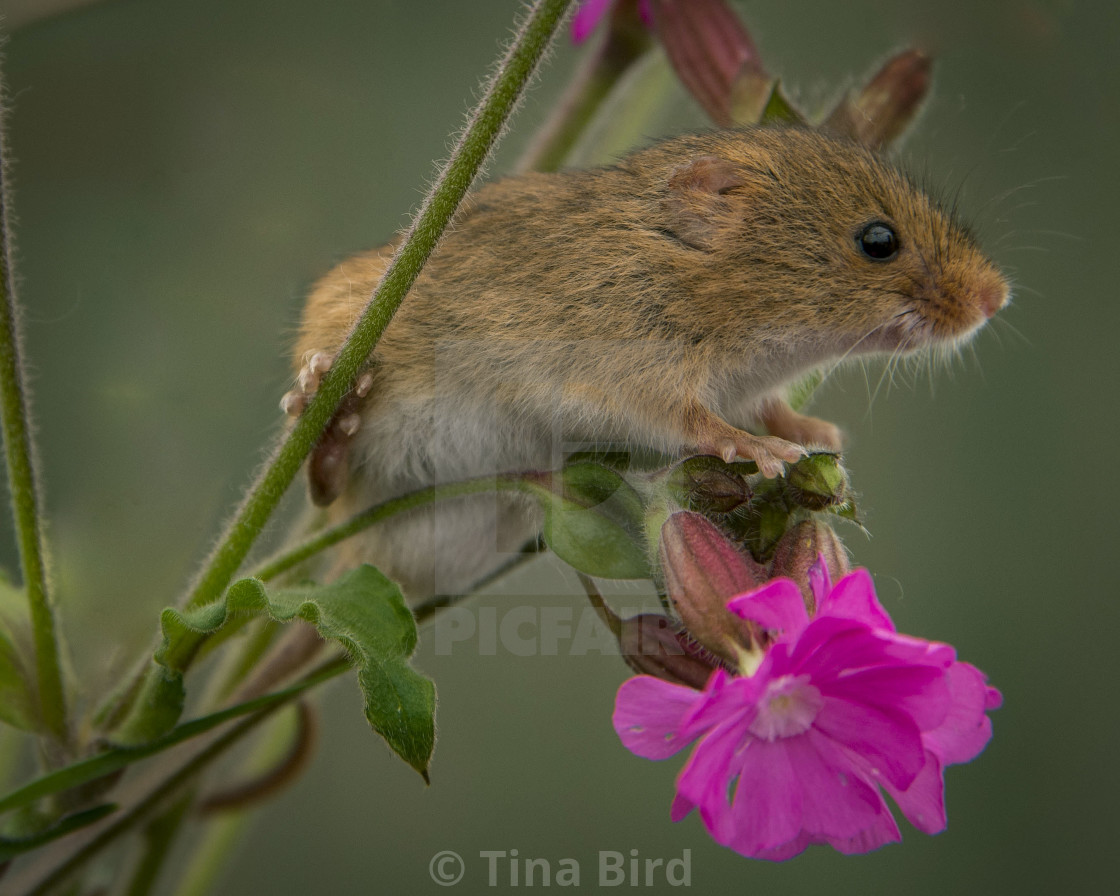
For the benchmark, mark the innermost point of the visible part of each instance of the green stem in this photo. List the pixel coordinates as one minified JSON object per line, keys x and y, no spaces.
{"x":104,"y":764}
{"x":803,"y":390}
{"x":626,"y":39}
{"x":191,"y":644}
{"x":211,"y":855}
{"x":482,"y":132}
{"x":22,"y":482}
{"x":328,"y":539}
{"x":62,"y":868}
{"x":159,"y":837}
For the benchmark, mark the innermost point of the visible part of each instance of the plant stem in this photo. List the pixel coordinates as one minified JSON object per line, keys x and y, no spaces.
{"x":22,"y":483}
{"x":61,"y":867}
{"x":482,"y":132}
{"x":159,"y":836}
{"x":626,"y":39}
{"x":357,"y":523}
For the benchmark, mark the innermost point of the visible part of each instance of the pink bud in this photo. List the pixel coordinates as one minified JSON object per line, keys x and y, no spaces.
{"x":709,"y":48}
{"x":656,"y":645}
{"x":703,"y":571}
{"x":799,"y":549}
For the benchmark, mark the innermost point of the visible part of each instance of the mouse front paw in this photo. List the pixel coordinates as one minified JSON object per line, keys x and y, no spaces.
{"x":713,"y":435}
{"x":328,"y":467}
{"x":768,"y":452}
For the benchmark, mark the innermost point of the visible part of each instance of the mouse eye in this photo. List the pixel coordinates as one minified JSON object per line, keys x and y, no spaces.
{"x":878,"y":241}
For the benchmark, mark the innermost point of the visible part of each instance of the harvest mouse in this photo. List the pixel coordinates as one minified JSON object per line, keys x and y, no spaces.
{"x":664,"y":302}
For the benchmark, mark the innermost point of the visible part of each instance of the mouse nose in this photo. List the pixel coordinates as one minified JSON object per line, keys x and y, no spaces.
{"x":992,"y":296}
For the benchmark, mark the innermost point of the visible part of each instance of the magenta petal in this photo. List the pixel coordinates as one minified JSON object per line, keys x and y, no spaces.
{"x":966,"y":729}
{"x":882,"y":832}
{"x":993,"y":699}
{"x":648,"y":715}
{"x":820,"y":582}
{"x":917,"y":650}
{"x":766,"y":810}
{"x":854,"y":597}
{"x":776,"y":606}
{"x":681,"y":807}
{"x":836,"y":799}
{"x":706,"y":778}
{"x":921,"y":692}
{"x":726,"y":697}
{"x":830,"y":646}
{"x":794,"y":847}
{"x":888,"y":741}
{"x":587,"y":17}
{"x":923,"y":802}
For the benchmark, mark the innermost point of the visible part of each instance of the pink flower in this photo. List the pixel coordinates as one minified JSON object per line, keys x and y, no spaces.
{"x":840,"y":708}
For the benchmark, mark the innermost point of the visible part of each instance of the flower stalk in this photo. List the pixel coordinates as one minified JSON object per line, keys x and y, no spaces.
{"x":23,"y":485}
{"x":481,"y":134}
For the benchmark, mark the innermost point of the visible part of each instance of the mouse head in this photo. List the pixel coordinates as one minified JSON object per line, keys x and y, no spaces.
{"x":819,"y":236}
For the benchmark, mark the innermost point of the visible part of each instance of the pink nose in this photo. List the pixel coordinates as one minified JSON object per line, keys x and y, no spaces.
{"x":991,"y":297}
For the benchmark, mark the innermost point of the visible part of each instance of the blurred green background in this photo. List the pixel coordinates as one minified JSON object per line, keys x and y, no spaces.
{"x":183,"y":171}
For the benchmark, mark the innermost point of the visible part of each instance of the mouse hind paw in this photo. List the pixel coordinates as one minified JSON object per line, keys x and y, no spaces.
{"x":328,"y":467}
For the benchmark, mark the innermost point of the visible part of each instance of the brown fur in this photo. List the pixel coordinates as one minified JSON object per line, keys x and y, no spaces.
{"x":649,"y":303}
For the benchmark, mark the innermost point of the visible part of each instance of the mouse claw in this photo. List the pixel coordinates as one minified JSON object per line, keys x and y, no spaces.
{"x":350,"y":424}
{"x":315,"y":364}
{"x":320,"y":363}
{"x":768,"y":452}
{"x":364,"y":385}
{"x":293,"y":403}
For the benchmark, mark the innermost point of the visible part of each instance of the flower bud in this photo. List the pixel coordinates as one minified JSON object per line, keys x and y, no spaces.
{"x":710,"y":49}
{"x":708,"y":485}
{"x":885,"y":107}
{"x":703,"y":571}
{"x":817,"y":481}
{"x":656,"y":645}
{"x":801,"y":547}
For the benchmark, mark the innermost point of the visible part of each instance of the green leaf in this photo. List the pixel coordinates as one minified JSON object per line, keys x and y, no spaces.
{"x":593,"y":521}
{"x":780,"y":110}
{"x":848,"y":511}
{"x":17,"y":665}
{"x":10,"y":847}
{"x":364,"y":612}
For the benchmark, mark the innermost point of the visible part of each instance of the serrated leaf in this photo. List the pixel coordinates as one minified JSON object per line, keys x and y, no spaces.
{"x":363,"y":611}
{"x":593,"y":521}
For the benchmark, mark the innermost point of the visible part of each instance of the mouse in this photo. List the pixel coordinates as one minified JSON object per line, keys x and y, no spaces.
{"x":665,"y":302}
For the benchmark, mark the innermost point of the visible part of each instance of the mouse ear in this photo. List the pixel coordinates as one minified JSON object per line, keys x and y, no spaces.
{"x":695,"y":201}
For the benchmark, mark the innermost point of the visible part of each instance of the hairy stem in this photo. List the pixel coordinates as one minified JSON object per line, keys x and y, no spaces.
{"x":22,"y":482}
{"x":474,"y":145}
{"x":379,"y":512}
{"x":57,"y":865}
{"x":624,"y":42}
